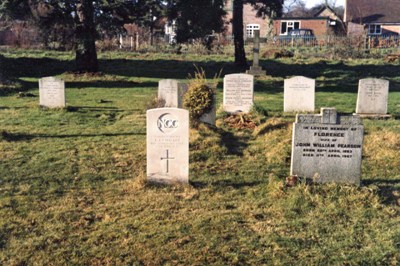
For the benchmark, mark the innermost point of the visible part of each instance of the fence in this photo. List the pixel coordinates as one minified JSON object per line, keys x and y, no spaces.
{"x":366,"y":42}
{"x":137,"y":42}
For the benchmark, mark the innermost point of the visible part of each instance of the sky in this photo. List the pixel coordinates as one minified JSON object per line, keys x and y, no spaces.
{"x":311,"y":3}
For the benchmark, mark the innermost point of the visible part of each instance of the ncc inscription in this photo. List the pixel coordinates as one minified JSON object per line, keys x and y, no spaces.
{"x":168,"y":145}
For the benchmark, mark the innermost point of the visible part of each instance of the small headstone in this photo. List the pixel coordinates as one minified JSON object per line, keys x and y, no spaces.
{"x":168,"y":145}
{"x":256,"y":69}
{"x":211,"y":116}
{"x":51,"y":92}
{"x":238,"y":93}
{"x":171,"y":92}
{"x":372,"y":97}
{"x":327,"y":147}
{"x":299,"y":94}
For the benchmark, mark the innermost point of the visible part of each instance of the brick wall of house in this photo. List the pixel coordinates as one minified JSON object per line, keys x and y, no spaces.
{"x":20,"y":34}
{"x":249,"y":17}
{"x":320,"y":27}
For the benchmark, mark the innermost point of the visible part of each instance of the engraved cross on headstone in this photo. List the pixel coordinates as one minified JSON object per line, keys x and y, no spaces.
{"x":167,"y":158}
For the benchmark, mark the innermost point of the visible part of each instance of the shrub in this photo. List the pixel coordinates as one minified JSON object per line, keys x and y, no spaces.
{"x":200,"y":96}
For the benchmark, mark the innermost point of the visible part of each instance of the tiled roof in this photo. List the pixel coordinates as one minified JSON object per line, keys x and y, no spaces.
{"x":373,"y":11}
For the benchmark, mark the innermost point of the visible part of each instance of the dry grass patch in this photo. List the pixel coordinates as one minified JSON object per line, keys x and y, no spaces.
{"x":381,"y":151}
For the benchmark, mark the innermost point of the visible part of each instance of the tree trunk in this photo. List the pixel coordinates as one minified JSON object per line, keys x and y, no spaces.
{"x":86,"y":56}
{"x":237,"y":28}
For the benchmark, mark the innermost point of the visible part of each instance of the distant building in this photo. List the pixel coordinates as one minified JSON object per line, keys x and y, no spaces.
{"x":374,"y":18}
{"x":250,"y":21}
{"x":324,"y":22}
{"x":18,"y":33}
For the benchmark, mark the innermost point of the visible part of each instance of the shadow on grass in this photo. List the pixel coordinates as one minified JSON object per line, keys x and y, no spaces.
{"x":13,"y":137}
{"x":338,"y":77}
{"x":388,"y":189}
{"x":226,"y":183}
{"x":235,"y":145}
{"x":110,"y":84}
{"x":84,"y":109}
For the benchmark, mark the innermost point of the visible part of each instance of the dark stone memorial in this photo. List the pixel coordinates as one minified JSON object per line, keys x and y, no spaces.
{"x":256,"y":69}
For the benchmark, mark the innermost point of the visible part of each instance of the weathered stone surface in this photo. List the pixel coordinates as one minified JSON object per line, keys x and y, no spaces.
{"x":255,"y":69}
{"x":299,"y":94}
{"x":372,"y":96}
{"x":51,"y":92}
{"x":327,"y":147}
{"x":171,"y":92}
{"x":168,"y":145}
{"x":210,"y":117}
{"x":238,"y":93}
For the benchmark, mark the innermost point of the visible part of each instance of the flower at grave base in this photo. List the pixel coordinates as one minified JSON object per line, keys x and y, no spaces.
{"x":291,"y":181}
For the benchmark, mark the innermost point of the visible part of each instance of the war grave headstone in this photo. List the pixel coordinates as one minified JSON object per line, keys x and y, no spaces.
{"x":51,"y":92}
{"x":238,"y":93}
{"x":299,"y":94}
{"x":171,"y":92}
{"x":168,"y":145}
{"x":327,"y":147}
{"x":372,"y":98}
{"x":256,"y":69}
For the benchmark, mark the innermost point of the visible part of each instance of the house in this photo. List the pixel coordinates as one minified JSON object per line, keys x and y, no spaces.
{"x":322,"y":23}
{"x":250,"y":21}
{"x":377,"y":17}
{"x":18,"y":33}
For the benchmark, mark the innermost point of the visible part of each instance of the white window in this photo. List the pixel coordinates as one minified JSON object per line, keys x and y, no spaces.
{"x":374,"y":29}
{"x":250,"y":30}
{"x":287,"y":26}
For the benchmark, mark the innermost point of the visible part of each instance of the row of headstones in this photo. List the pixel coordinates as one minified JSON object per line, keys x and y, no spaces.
{"x":326,"y":147}
{"x":299,"y":94}
{"x":372,"y":98}
{"x":238,"y":92}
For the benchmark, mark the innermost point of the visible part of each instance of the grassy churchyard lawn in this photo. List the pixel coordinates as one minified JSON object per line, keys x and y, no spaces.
{"x":72,"y":181}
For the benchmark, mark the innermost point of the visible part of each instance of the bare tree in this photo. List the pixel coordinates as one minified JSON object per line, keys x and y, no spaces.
{"x":296,"y":8}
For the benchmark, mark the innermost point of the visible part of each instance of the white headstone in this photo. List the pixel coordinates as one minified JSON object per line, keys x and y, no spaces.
{"x":168,"y":145}
{"x":327,"y":147}
{"x":171,"y":92}
{"x":372,"y":96}
{"x":51,"y":92}
{"x":238,"y":93}
{"x":299,"y":94}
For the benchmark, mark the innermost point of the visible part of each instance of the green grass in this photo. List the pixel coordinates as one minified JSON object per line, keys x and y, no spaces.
{"x":72,"y":187}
